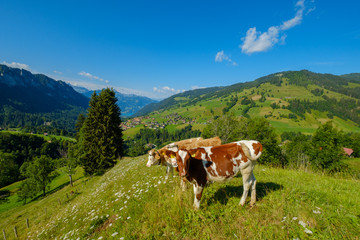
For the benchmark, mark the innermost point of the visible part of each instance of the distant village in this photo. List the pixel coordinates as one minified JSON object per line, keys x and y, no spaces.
{"x":150,"y":122}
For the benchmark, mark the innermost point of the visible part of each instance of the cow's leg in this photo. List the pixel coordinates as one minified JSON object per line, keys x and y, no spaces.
{"x":171,"y":170}
{"x":168,"y":169}
{"x":246,"y":185}
{"x":253,"y":190}
{"x":183,"y":184}
{"x":198,"y":193}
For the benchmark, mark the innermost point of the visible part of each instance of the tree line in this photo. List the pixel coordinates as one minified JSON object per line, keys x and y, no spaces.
{"x":321,"y":151}
{"x":346,"y":109}
{"x":31,"y":158}
{"x":148,"y":138}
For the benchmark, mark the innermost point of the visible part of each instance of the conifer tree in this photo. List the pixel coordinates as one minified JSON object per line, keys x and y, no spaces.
{"x":100,"y":140}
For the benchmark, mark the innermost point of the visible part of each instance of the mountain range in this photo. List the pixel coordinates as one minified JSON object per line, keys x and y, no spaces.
{"x":128,"y":103}
{"x":28,"y":99}
{"x":290,"y":100}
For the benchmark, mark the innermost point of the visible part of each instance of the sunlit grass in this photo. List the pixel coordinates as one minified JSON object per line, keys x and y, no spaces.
{"x":136,"y":202}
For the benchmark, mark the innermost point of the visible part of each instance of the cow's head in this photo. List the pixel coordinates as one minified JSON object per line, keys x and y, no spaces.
{"x":170,"y":157}
{"x":183,"y":161}
{"x":154,"y":158}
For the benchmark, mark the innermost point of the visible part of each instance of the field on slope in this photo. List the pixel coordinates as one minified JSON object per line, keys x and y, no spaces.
{"x":132,"y":201}
{"x":205,"y":110}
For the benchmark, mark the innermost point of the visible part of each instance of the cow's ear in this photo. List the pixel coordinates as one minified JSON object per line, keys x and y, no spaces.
{"x":196,"y":155}
{"x":157,"y":156}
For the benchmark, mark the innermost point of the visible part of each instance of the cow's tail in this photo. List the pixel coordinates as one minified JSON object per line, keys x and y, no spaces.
{"x":252,"y":149}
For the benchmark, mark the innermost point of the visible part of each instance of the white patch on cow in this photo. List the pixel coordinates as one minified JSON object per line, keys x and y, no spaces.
{"x":249,"y":144}
{"x":151,"y":160}
{"x":197,"y":190}
{"x":235,"y":159}
{"x":208,"y":151}
{"x":173,"y":147}
{"x":227,"y":173}
{"x":182,"y":155}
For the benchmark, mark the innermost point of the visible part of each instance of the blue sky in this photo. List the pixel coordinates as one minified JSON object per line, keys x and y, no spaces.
{"x":158,"y":48}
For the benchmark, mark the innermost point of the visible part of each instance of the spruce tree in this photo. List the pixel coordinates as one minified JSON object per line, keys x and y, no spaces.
{"x":100,"y":140}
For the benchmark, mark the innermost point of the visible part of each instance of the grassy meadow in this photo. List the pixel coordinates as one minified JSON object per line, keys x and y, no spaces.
{"x":132,"y":201}
{"x":205,"y":110}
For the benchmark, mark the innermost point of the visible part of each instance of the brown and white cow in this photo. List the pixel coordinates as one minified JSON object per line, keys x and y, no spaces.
{"x":220,"y":163}
{"x":163,"y":156}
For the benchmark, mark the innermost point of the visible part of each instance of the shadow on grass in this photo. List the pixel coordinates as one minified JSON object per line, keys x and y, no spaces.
{"x":54,"y":190}
{"x":223,"y":195}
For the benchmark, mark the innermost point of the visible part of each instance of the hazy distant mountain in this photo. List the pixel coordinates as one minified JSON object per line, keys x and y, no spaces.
{"x":33,"y":93}
{"x":128,"y":103}
{"x":28,"y":99}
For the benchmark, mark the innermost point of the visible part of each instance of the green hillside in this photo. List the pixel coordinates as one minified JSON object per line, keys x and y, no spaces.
{"x":291,"y":101}
{"x":132,"y":201}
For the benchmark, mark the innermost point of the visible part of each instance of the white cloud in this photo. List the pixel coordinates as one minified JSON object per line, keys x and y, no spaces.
{"x":95,"y":86}
{"x":88,"y":75}
{"x":258,"y":42}
{"x":57,"y":72}
{"x":167,"y":90}
{"x":17,"y":65}
{"x":255,"y":41}
{"x":196,"y":87}
{"x":221,"y":56}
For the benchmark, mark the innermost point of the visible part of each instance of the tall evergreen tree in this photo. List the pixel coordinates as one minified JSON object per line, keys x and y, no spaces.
{"x":100,"y":140}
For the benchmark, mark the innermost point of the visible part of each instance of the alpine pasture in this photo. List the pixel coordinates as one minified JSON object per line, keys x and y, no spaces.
{"x":132,"y":201}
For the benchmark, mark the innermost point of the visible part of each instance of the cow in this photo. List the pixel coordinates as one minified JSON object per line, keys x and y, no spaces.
{"x":194,"y":143}
{"x":163,"y":156}
{"x":218,"y":164}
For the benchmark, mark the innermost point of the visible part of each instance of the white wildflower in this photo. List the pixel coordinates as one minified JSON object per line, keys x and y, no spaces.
{"x":302,"y":224}
{"x":114,"y":234}
{"x":308,"y":231}
{"x":128,"y":218}
{"x":294,"y":218}
{"x":316,"y":211}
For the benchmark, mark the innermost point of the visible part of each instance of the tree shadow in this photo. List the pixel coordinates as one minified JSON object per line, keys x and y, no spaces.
{"x":223,"y":195}
{"x":54,"y":190}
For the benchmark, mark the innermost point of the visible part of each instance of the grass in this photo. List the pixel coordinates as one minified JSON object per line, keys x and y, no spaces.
{"x":47,"y":137}
{"x":136,"y":202}
{"x":59,"y":182}
{"x":354,"y":163}
{"x":205,"y":110}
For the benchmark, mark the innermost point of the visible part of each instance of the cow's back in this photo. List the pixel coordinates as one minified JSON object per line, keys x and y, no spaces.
{"x":224,"y":161}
